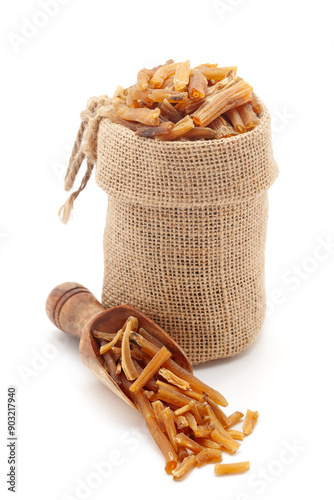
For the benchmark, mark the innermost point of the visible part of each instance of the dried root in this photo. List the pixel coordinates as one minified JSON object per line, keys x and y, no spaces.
{"x":176,"y":103}
{"x":182,"y":413}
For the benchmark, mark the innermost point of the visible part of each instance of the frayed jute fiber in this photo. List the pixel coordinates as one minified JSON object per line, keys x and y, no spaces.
{"x":186,"y":226}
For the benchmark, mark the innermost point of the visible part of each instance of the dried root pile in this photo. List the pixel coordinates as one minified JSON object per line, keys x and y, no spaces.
{"x":176,"y":102}
{"x":182,"y":413}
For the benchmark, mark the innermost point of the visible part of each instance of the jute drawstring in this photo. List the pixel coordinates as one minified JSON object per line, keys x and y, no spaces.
{"x":85,"y":146}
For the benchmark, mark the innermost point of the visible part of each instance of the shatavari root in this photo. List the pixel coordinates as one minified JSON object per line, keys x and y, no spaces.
{"x":183,"y":414}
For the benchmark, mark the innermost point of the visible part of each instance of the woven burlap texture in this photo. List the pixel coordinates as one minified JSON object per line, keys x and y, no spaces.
{"x":185,"y":233}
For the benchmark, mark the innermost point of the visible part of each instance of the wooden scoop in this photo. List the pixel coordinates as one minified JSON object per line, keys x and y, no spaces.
{"x":75,"y":310}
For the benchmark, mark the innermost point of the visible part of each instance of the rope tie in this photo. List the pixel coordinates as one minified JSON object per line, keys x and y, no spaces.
{"x":85,"y":146}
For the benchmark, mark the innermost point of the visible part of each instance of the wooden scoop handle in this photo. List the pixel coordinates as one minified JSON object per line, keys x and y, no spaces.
{"x":71,"y":306}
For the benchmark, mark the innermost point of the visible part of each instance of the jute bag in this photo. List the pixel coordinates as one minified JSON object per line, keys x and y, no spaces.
{"x":185,"y":232}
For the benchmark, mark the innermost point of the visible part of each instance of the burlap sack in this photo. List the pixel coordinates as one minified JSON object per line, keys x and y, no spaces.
{"x":185,"y":233}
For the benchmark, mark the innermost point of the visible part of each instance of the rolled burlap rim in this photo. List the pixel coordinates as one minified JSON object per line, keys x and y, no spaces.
{"x":187,"y":173}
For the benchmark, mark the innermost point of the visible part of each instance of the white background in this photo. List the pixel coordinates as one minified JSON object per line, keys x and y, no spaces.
{"x":68,"y":422}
